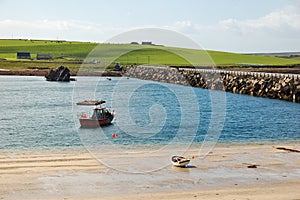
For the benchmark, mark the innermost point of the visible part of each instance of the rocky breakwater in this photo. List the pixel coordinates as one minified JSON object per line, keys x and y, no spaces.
{"x":269,"y":85}
{"x":155,"y":73}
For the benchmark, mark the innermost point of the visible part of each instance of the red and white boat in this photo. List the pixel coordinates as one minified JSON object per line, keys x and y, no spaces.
{"x":101,"y":116}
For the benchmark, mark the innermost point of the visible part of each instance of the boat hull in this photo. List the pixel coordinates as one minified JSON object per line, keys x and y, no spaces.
{"x":94,"y":123}
{"x":180,"y":161}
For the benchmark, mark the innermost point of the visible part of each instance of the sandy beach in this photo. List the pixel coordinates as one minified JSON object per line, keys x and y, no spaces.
{"x":227,"y":172}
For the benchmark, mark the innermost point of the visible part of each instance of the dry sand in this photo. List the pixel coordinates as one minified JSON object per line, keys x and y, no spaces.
{"x":222,"y":174}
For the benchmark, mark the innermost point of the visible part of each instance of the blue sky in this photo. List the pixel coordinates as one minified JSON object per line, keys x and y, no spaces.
{"x":224,"y":25}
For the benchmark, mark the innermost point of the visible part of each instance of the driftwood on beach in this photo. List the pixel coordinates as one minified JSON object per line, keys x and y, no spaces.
{"x":288,"y":149}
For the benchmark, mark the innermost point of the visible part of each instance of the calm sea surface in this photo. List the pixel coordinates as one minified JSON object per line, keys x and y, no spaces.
{"x":37,"y":114}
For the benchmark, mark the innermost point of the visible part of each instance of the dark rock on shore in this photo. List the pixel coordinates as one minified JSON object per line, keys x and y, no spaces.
{"x":60,"y":74}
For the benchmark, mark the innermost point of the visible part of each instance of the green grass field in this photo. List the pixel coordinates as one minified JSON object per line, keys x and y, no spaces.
{"x":71,"y":54}
{"x":9,"y":48}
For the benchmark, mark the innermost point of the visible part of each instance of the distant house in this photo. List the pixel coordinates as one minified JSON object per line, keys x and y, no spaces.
{"x":147,"y":43}
{"x":23,"y":55}
{"x":134,"y":43}
{"x":42,"y":56}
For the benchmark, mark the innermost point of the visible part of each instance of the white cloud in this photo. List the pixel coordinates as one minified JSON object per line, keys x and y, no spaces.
{"x":43,"y":24}
{"x":278,"y":22}
{"x":63,"y":29}
{"x":276,"y":31}
{"x":183,"y":24}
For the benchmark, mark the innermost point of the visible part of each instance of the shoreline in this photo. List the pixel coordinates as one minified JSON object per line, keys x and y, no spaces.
{"x":223,"y":173}
{"x":219,"y":144}
{"x":43,"y":72}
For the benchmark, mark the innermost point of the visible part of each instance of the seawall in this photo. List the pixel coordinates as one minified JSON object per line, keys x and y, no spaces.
{"x":260,"y":84}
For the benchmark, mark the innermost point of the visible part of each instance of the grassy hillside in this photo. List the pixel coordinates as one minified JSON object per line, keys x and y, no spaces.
{"x":225,"y":58}
{"x":9,"y":48}
{"x":71,"y":54}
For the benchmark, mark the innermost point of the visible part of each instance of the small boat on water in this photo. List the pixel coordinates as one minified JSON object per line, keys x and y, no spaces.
{"x":101,"y":116}
{"x":180,"y":161}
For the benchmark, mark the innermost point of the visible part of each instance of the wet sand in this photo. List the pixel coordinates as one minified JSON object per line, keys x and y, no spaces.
{"x":223,"y":173}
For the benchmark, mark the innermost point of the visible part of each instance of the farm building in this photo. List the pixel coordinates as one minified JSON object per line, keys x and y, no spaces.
{"x":42,"y":56}
{"x":147,"y":43}
{"x":23,"y":55}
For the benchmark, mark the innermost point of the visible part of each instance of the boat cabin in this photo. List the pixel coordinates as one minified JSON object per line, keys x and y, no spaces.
{"x":100,"y":113}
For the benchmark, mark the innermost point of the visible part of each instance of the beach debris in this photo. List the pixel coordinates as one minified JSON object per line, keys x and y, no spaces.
{"x":252,"y":166}
{"x":249,"y":165}
{"x":288,"y":149}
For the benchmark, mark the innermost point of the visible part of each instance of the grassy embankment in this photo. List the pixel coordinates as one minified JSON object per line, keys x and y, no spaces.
{"x":72,"y":54}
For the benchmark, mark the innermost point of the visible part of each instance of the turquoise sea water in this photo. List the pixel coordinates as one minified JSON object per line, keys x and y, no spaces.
{"x":37,"y":114}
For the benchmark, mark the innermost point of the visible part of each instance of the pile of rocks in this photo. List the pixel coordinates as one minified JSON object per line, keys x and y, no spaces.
{"x":284,"y":88}
{"x":59,"y":74}
{"x":252,"y":83}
